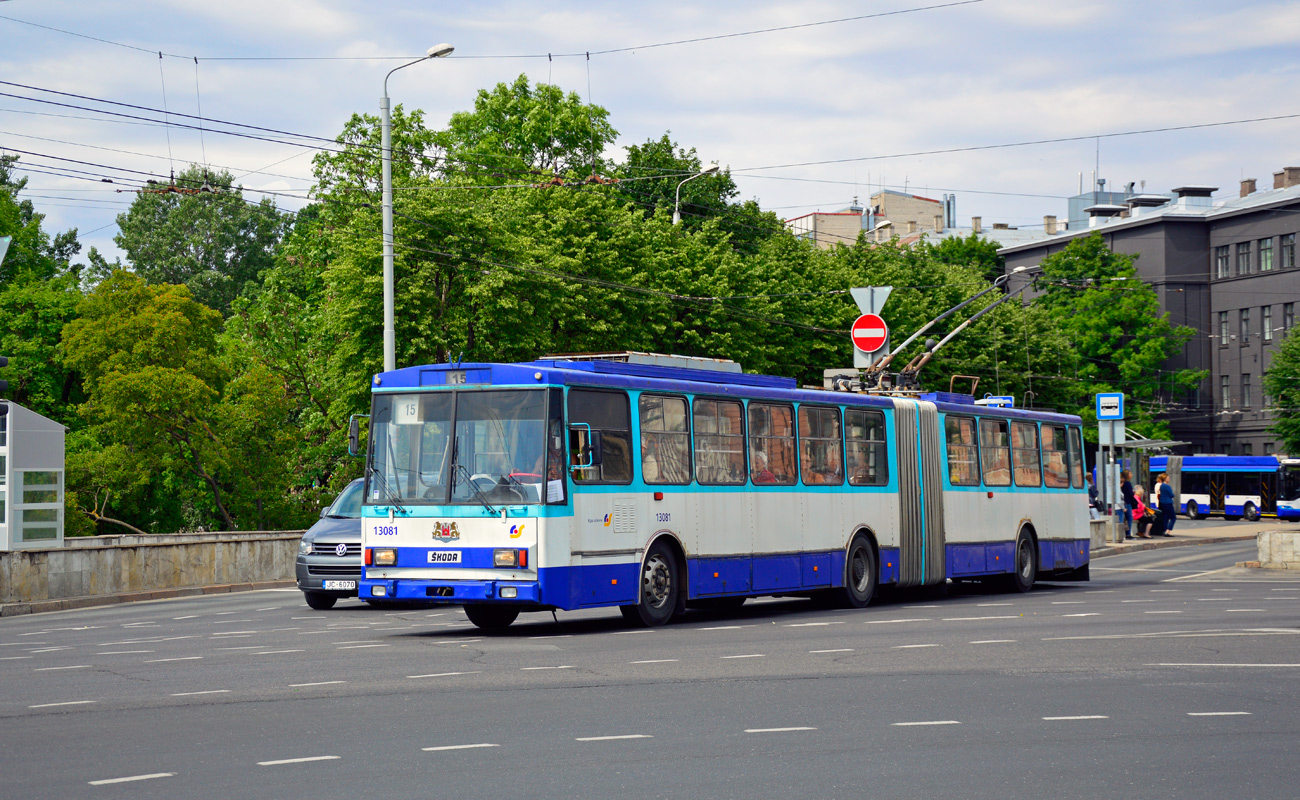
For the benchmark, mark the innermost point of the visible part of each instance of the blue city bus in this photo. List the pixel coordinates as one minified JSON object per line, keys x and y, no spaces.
{"x":653,"y":483}
{"x":1233,"y":486}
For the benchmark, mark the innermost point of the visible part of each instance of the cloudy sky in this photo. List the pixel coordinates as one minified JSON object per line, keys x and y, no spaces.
{"x":918,"y":94}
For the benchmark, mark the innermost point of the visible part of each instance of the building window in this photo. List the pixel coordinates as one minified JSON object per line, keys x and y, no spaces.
{"x":1288,"y":251}
{"x":1266,"y":323}
{"x":1266,"y":255}
{"x":1223,"y":328}
{"x":1268,"y":448}
{"x":1288,"y":317}
{"x":1243,"y":258}
{"x":1245,"y":327}
{"x":1225,"y":392}
{"x":1245,"y":390}
{"x":1222,"y":262}
{"x":1247,"y":449}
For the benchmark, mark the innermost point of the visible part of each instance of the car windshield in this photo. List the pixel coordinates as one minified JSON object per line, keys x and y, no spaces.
{"x":496,"y":455}
{"x":348,"y":504}
{"x":1289,"y":488}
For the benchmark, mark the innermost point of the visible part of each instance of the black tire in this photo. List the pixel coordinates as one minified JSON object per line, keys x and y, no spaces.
{"x":491,"y":617}
{"x":1026,"y":564}
{"x":861,"y":573}
{"x":1251,"y":512}
{"x":660,"y":591}
{"x":320,"y":601}
{"x":1193,"y":510}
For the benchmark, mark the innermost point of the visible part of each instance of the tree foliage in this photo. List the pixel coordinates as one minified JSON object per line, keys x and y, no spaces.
{"x":1282,"y":385}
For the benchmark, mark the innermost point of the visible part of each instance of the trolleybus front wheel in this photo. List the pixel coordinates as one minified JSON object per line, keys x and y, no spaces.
{"x":1193,"y":510}
{"x":660,"y":587}
{"x":491,"y":617}
{"x":1251,"y":512}
{"x":1022,"y":580}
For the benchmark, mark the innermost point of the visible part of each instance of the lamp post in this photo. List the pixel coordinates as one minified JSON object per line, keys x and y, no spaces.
{"x":677,"y":204}
{"x":386,"y":147}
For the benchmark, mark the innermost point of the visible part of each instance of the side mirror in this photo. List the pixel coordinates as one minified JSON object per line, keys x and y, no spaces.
{"x":597,"y":449}
{"x":324,"y":511}
{"x":354,"y":436}
{"x":586,"y":450}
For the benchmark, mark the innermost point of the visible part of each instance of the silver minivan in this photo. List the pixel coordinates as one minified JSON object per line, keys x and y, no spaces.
{"x":329,"y":556}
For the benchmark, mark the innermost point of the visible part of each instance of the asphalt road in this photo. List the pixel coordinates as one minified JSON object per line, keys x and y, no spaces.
{"x":1163,"y":677}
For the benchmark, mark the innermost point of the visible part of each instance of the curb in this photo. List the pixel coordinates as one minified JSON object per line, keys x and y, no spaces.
{"x":69,"y":603}
{"x":1112,"y":550}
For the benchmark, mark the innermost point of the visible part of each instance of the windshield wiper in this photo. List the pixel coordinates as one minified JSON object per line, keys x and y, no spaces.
{"x":469,"y":480}
{"x":388,"y":492}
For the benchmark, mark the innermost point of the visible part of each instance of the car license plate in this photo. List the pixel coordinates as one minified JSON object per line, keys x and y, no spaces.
{"x":340,"y":585}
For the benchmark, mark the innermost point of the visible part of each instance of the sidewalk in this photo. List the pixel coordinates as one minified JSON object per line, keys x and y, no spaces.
{"x":1185,"y":534}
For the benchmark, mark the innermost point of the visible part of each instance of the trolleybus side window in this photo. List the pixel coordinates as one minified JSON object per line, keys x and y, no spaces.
{"x":665,"y":440}
{"x":963,"y":452}
{"x":771,"y":444}
{"x":605,"y":413}
{"x":1024,"y":454}
{"x":1076,"y":458}
{"x":719,"y":442}
{"x":555,"y":466}
{"x":995,"y":452}
{"x":1056,"y":464}
{"x":867,"y":455}
{"x":820,"y":463}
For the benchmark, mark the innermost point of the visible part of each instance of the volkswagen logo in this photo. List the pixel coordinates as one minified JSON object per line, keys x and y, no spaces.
{"x":341,"y":550}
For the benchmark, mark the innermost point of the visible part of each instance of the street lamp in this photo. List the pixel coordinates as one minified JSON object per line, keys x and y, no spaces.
{"x":677,"y":204}
{"x":386,"y":145}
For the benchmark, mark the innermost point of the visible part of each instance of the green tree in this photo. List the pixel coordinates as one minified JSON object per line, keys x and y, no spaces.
{"x":357,"y":164}
{"x":972,"y":250}
{"x":213,"y":242}
{"x":35,"y":312}
{"x":32,"y":254}
{"x":1282,"y":384}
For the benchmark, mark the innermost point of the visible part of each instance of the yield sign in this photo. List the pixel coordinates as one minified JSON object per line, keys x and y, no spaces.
{"x":869,"y":333}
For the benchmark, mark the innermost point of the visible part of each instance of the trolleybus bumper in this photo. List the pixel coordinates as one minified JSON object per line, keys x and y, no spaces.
{"x":513,"y":592}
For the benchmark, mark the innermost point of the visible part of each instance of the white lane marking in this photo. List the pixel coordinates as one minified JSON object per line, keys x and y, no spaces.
{"x":1144,"y":600}
{"x":68,"y":703}
{"x":129,"y":778}
{"x":244,"y":647}
{"x":993,"y":641}
{"x":360,"y":646}
{"x":317,"y":683}
{"x":1287,"y":589}
{"x":890,"y":621}
{"x":1218,"y":713}
{"x":50,"y":649}
{"x":933,"y":722}
{"x":1165,"y":590}
{"x":138,"y":624}
{"x":911,"y":646}
{"x":74,"y":666}
{"x":1070,"y":602}
{"x":1180,"y":634}
{"x":444,"y":674}
{"x":612,"y":738}
{"x":1101,"y":591}
{"x":1162,"y":612}
{"x":1223,"y":665}
{"x":15,"y":644}
{"x":182,"y":658}
{"x":725,"y":628}
{"x":986,"y":605}
{"x":1225,"y":590}
{"x":224,"y":613}
{"x":273,"y":652}
{"x":208,"y":691}
{"x":747,"y":655}
{"x":15,"y":658}
{"x":1239,"y":610}
{"x":970,"y":619}
{"x":268,"y":608}
{"x":554,"y":636}
{"x":297,"y":760}
{"x":566,"y":666}
{"x":778,"y":730}
{"x":123,"y":652}
{"x":837,"y":650}
{"x":356,"y":641}
{"x":233,"y":633}
{"x":1082,"y":716}
{"x":655,"y":661}
{"x":812,"y":624}
{"x":457,"y":747}
{"x":458,"y":641}
{"x":296,"y":618}
{"x":229,"y":621}
{"x":1091,"y":614}
{"x":621,"y":633}
{"x":309,"y":633}
{"x":920,"y":606}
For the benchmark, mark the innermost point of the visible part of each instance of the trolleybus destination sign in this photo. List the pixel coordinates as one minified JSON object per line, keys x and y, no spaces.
{"x":869,"y":333}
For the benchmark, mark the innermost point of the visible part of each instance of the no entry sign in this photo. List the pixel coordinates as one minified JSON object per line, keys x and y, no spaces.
{"x":869,"y":333}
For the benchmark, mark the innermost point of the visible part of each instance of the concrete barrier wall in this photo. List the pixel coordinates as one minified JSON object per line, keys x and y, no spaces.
{"x":1279,"y":549}
{"x":110,"y":565}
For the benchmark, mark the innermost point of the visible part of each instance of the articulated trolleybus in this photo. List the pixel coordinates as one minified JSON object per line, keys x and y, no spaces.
{"x":651,"y":483}
{"x":1233,"y":486}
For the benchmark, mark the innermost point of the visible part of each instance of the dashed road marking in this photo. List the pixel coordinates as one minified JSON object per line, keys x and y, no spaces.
{"x":554,"y":636}
{"x":123,"y":652}
{"x":747,"y":655}
{"x":50,"y":649}
{"x":1070,"y":602}
{"x":273,"y":652}
{"x":1069,"y":719}
{"x":655,"y":661}
{"x":1090,"y":614}
{"x":1227,"y":665}
{"x":244,"y":647}
{"x":993,"y":641}
{"x":130,"y":778}
{"x":987,"y":605}
{"x":1218,"y":713}
{"x":812,"y":624}
{"x":443,"y":674}
{"x":930,"y":722}
{"x":206,"y":691}
{"x":66,"y":703}
{"x":972,"y":619}
{"x":51,"y":669}
{"x":317,"y":683}
{"x":1240,"y":610}
{"x":890,"y":621}
{"x":360,"y":646}
{"x":622,"y":633}
{"x":297,"y":760}
{"x":913,"y":646}
{"x":837,"y":650}
{"x":1162,"y":612}
{"x":724,"y":628}
{"x":920,"y":606}
{"x":613,"y":738}
{"x":1143,"y":600}
{"x":779,"y":730}
{"x":15,"y":658}
{"x":565,"y":666}
{"x":458,"y":747}
{"x":182,"y":658}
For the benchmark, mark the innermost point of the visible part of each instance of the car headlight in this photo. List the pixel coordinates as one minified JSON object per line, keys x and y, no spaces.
{"x":304,"y":546}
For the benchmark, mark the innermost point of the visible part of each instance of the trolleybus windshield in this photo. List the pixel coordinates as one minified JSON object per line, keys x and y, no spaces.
{"x":496,"y":455}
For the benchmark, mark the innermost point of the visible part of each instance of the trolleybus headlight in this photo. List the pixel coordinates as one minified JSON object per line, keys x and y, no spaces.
{"x":385,"y":558}
{"x":510,"y":558}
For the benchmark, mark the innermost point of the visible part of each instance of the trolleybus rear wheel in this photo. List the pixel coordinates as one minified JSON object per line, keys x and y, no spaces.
{"x":491,"y":617}
{"x":1193,"y":510}
{"x":1251,"y":512}
{"x":659,"y":589}
{"x":860,"y":573}
{"x":1022,"y":580}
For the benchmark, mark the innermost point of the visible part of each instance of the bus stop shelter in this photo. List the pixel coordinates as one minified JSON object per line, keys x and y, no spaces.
{"x":1134,"y":455}
{"x":31,"y":479}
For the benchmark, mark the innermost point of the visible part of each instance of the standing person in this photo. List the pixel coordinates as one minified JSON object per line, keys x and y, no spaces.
{"x":1130,"y":502}
{"x":1095,"y":509}
{"x":1165,"y":502}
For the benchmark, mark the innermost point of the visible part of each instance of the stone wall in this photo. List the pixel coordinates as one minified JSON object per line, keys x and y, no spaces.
{"x":110,"y":565}
{"x":1279,"y":549}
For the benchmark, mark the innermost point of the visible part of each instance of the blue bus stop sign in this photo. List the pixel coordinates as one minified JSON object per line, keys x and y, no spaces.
{"x":1110,"y":406}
